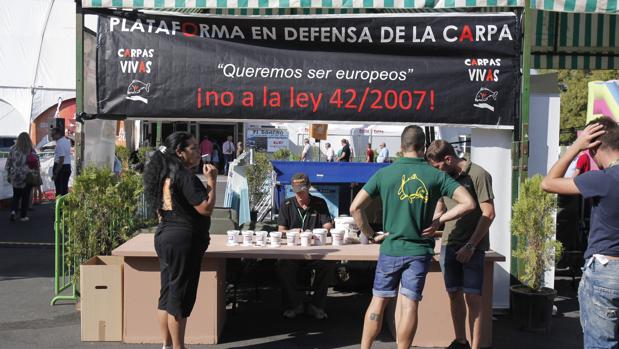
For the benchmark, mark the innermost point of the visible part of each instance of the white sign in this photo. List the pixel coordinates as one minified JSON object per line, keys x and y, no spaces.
{"x":274,"y":144}
{"x":267,"y":132}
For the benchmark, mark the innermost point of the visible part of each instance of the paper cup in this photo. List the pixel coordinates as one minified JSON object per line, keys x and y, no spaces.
{"x":248,"y":237}
{"x":232,"y":237}
{"x":321,"y":236}
{"x":306,"y":239}
{"x":291,"y":238}
{"x":276,"y":238}
{"x":337,"y":237}
{"x":261,"y":238}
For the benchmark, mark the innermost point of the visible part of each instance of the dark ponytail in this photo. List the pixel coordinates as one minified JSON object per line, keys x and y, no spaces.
{"x":164,"y":163}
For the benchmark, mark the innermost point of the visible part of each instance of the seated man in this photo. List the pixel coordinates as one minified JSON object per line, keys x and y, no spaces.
{"x":304,"y":212}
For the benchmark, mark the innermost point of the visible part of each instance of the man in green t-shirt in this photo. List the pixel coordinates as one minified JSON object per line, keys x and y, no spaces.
{"x":465,"y":241}
{"x":409,"y":190}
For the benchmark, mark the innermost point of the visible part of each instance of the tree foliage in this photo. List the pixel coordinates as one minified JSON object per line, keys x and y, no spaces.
{"x":534,"y":227}
{"x":574,"y":86}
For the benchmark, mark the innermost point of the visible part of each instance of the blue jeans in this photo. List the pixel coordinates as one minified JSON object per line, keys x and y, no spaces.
{"x":408,"y":272}
{"x":598,"y":295}
{"x":469,"y":277}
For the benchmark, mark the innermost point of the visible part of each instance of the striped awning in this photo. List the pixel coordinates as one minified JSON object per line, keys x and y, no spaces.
{"x":575,"y":41}
{"x":577,"y":6}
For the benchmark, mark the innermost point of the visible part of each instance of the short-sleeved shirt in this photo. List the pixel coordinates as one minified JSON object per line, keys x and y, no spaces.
{"x":370,"y":155}
{"x":187,"y":192}
{"x":603,"y":187}
{"x":583,"y":164}
{"x":206,"y":147}
{"x":306,"y":155}
{"x":346,"y":153}
{"x":478,"y":182}
{"x":292,"y":216}
{"x":383,"y":155}
{"x":409,"y":189}
{"x":63,"y":148}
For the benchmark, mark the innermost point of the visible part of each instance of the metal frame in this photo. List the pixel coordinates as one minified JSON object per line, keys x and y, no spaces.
{"x":63,"y":271}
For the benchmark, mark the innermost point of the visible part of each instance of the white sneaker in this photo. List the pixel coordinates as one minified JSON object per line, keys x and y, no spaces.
{"x":24,"y":219}
{"x":316,"y":312}
{"x":292,"y":313}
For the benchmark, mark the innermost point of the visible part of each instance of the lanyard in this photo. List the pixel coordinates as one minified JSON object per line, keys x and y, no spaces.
{"x":302,"y":217}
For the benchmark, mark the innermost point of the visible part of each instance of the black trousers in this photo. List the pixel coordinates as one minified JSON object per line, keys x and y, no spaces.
{"x":287,"y":272}
{"x":61,"y":182}
{"x":21,"y":199}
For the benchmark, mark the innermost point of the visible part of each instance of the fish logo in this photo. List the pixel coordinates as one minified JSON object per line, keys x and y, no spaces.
{"x":483,"y":96}
{"x":420,"y":193}
{"x":136,"y":89}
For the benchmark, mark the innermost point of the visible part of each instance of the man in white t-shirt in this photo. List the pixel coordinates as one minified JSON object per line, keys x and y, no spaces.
{"x":329,"y":152}
{"x":306,"y":154}
{"x":62,"y":162}
{"x":228,"y":149}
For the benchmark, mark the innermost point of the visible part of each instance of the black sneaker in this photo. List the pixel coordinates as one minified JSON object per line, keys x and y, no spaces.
{"x":457,"y":345}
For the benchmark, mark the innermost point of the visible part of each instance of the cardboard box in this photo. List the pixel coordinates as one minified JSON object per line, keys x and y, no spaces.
{"x":101,"y":290}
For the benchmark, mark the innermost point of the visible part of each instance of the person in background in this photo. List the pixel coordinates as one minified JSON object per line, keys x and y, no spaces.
{"x":369,"y":153}
{"x":306,"y":154}
{"x":409,"y":190}
{"x":34,"y":164}
{"x":117,"y":165}
{"x":465,"y":242}
{"x":62,"y":162}
{"x":329,"y":152}
{"x":583,"y":164}
{"x":216,"y":157}
{"x":206,"y":148}
{"x":228,"y":150}
{"x":383,"y":154}
{"x":345,"y":155}
{"x":598,"y":292}
{"x":304,"y":212}
{"x":17,"y":170}
{"x":239,"y":148}
{"x":184,"y":206}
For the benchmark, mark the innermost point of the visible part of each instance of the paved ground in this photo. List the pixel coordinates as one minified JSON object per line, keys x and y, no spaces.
{"x":28,"y":321}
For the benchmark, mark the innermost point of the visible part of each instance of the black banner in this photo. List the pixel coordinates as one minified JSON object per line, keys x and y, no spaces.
{"x":424,"y":68}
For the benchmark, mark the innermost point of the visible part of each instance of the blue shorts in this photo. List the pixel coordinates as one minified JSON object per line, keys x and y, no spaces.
{"x":468,"y":277}
{"x":408,"y":272}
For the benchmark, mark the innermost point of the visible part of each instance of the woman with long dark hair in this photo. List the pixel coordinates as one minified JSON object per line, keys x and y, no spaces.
{"x":17,"y":171}
{"x":184,"y":207}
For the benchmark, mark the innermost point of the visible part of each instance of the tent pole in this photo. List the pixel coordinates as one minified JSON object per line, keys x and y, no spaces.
{"x":526,"y":84}
{"x":79,"y":84}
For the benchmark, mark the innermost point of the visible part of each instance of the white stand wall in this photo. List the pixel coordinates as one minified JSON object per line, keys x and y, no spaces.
{"x":544,"y":125}
{"x":491,"y":149}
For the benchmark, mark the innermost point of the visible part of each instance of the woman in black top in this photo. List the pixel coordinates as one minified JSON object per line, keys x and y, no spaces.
{"x":184,"y":207}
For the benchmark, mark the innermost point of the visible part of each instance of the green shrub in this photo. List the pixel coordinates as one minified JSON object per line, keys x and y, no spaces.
{"x":534,"y":227}
{"x":101,"y":213}
{"x":256,"y":175}
{"x":281,"y":154}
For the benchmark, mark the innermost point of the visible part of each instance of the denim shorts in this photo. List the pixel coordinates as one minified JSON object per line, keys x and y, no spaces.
{"x":468,"y":277}
{"x":598,"y":295}
{"x":408,"y":272}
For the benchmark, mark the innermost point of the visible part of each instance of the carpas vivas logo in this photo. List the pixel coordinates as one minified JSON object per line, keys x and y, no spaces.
{"x":483,"y":98}
{"x":136,"y":90}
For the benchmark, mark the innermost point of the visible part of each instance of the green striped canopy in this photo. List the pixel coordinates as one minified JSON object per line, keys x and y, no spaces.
{"x":578,"y":6}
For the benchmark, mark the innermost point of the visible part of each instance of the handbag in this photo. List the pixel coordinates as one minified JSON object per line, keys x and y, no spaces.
{"x":34,"y":179}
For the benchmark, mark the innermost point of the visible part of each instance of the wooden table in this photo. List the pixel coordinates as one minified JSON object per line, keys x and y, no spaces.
{"x":141,"y":289}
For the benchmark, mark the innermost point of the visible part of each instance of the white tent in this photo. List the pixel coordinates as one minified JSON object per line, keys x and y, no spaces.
{"x":37,"y":58}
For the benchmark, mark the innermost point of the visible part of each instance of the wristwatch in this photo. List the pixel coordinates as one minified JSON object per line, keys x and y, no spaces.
{"x":469,"y":246}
